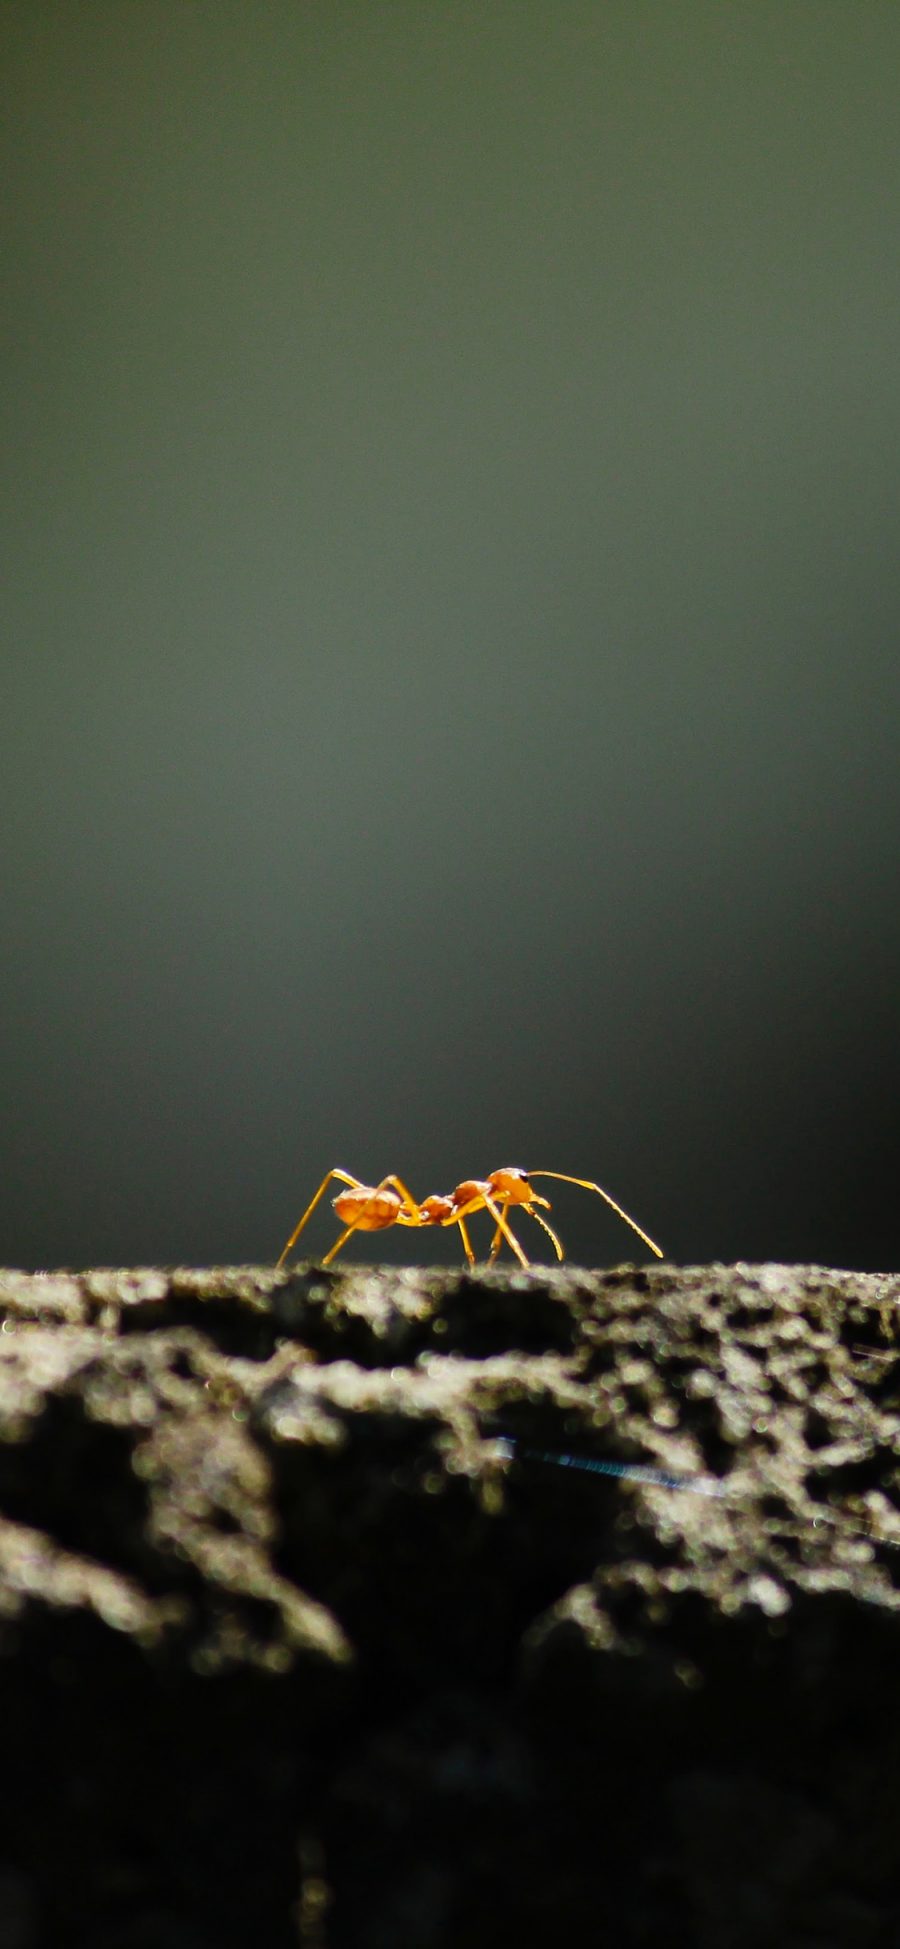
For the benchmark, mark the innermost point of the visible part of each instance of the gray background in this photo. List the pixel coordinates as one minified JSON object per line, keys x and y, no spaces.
{"x":451,"y":677}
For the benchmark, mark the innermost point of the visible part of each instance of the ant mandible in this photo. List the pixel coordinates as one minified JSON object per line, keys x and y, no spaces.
{"x":375,"y":1208}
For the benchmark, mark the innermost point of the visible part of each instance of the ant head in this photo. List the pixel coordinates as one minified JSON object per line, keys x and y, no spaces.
{"x":511,"y":1183}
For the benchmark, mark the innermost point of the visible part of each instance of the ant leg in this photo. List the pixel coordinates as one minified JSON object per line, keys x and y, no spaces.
{"x":499,"y":1217}
{"x":483,"y":1201}
{"x":476,"y":1203}
{"x":467,"y":1243}
{"x":497,"y":1239}
{"x":502,"y":1232}
{"x":412,"y":1216}
{"x":338,"y":1243}
{"x":345,"y":1178}
{"x":587,"y":1185}
{"x":480,"y":1201}
{"x":557,"y":1243}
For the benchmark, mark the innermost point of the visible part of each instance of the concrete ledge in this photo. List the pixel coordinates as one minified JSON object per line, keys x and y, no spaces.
{"x":311,"y":1633}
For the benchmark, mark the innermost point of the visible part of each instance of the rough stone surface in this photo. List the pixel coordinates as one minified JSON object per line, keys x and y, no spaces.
{"x":303,"y":1640}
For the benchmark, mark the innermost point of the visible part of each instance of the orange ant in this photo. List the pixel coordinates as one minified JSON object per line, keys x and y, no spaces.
{"x":375,"y":1208}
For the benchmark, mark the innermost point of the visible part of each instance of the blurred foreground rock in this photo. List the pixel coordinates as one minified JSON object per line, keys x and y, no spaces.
{"x":296,"y":1649}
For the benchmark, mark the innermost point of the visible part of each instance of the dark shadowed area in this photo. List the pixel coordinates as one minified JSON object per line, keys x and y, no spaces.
{"x":450,"y":677}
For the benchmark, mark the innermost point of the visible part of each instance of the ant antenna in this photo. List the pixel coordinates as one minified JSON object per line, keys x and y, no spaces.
{"x":587,"y":1185}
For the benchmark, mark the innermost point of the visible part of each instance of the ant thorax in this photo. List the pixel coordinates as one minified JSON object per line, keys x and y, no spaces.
{"x":470,"y":1192}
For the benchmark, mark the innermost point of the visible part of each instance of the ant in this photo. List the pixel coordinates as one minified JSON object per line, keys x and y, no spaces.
{"x":375,"y":1208}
